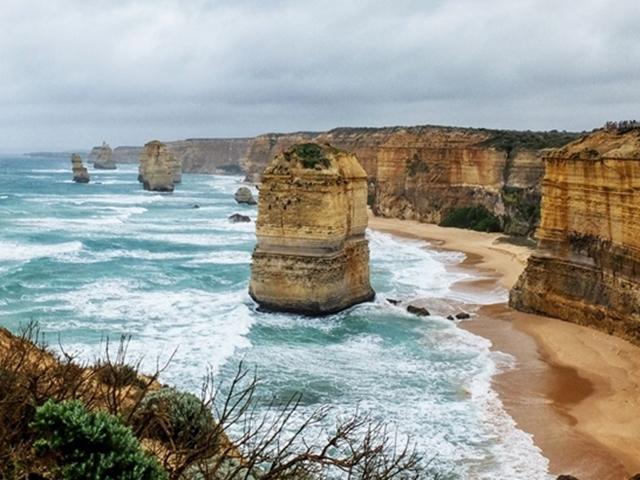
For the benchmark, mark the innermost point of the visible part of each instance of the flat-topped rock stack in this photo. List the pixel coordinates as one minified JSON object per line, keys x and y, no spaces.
{"x":102,"y":157}
{"x":587,"y":265}
{"x":157,"y":169}
{"x":311,"y":254}
{"x":80,"y":172}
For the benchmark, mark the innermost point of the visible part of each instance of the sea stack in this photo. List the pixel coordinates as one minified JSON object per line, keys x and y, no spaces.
{"x":587,"y":266}
{"x":102,"y":157}
{"x":311,"y":255}
{"x":80,"y":173}
{"x":157,"y":170}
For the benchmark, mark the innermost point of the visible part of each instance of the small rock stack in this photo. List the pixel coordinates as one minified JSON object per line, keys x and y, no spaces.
{"x":80,"y":173}
{"x":158,"y":169}
{"x":244,"y":195}
{"x":102,"y":157}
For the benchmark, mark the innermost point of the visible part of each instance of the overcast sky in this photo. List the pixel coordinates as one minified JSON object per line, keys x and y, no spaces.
{"x":75,"y":72}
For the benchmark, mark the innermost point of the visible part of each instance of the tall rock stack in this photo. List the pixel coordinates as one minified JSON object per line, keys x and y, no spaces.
{"x":80,"y":173}
{"x":311,"y":254}
{"x":157,"y":168}
{"x":587,"y":265}
{"x":102,"y":157}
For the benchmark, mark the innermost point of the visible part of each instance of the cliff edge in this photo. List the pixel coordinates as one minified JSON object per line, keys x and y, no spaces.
{"x":432,"y":173}
{"x":587,"y":265}
{"x":312,"y":255}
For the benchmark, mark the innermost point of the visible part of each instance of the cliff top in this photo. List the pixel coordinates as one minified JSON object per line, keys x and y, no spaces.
{"x":604,"y":143}
{"x":316,"y":159}
{"x":483,"y":137}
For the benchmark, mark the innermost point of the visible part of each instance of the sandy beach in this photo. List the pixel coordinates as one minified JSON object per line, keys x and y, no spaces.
{"x":576,"y":390}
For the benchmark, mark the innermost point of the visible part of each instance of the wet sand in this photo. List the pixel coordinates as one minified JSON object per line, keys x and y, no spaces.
{"x":576,"y":390}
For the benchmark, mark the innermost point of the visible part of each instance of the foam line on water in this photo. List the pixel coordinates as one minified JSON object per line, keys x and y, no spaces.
{"x":23,"y":252}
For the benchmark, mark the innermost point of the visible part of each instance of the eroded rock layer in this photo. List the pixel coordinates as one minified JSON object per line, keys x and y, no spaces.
{"x":157,"y":169}
{"x":428,"y":173}
{"x":311,"y":254}
{"x":587,"y":266}
{"x":102,"y":157}
{"x":80,"y":172}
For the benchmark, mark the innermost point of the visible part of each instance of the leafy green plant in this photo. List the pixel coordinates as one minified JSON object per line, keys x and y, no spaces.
{"x":96,"y":445}
{"x":474,"y":218}
{"x":310,"y":154}
{"x":178,"y":417}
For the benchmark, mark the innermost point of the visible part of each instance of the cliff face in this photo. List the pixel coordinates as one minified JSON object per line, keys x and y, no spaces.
{"x":429,"y":173}
{"x":80,"y":173}
{"x":311,"y":255}
{"x":157,"y":170}
{"x":102,"y":157}
{"x":587,"y":266}
{"x":197,"y":155}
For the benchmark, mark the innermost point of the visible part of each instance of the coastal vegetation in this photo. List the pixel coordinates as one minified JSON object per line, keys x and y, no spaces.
{"x":474,"y":218}
{"x":63,"y":419}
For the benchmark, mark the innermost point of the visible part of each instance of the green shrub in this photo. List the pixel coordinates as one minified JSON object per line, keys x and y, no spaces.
{"x":474,"y":218}
{"x":173,"y":416}
{"x":310,"y":154}
{"x":96,"y":445}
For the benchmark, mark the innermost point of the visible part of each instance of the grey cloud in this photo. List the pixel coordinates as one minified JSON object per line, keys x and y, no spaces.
{"x":74,"y":72}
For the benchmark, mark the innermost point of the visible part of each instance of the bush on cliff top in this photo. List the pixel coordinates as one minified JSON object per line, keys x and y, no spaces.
{"x":310,"y":154}
{"x":474,"y":218}
{"x":87,"y":444}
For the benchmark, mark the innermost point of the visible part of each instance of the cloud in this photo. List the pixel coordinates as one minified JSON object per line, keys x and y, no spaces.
{"x":76,"y":71}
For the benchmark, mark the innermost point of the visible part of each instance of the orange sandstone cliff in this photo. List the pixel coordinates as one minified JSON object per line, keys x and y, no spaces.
{"x":311,"y":254}
{"x":428,"y":173}
{"x":587,"y":266}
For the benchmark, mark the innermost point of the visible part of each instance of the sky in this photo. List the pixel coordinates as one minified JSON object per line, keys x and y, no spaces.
{"x":76,"y":72}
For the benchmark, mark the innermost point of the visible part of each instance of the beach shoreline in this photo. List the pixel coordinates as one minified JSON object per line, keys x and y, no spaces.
{"x":575,"y":390}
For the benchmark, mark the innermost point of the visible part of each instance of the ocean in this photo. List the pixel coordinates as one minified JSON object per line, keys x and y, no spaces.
{"x":96,"y":261}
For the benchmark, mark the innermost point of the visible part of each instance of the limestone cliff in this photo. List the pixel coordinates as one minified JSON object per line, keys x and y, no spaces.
{"x":587,"y":265}
{"x":311,"y":254}
{"x":102,"y":157}
{"x":428,"y":173}
{"x":198,"y":155}
{"x":157,"y":170}
{"x":80,"y":173}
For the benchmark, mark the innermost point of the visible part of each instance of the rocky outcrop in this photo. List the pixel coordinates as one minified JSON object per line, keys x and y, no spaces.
{"x":102,"y":157}
{"x":311,"y":254}
{"x":238,"y":218}
{"x":80,"y":172}
{"x":198,"y":155}
{"x":244,"y":195}
{"x":587,"y":265}
{"x":429,"y":173}
{"x":157,"y":170}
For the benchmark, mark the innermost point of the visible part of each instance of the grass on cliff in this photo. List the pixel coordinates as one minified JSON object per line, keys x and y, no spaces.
{"x":310,"y":155}
{"x":62,"y":419}
{"x":473,"y":218}
{"x":513,"y":139}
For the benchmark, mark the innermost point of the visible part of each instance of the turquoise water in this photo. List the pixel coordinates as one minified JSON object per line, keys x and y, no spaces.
{"x":99,"y":260}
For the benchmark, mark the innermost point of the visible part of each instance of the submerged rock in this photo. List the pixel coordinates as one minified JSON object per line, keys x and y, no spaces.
{"x":157,"y":168}
{"x":419,"y":311}
{"x":311,"y":254}
{"x":244,"y":195}
{"x":102,"y":157}
{"x":393,"y":301}
{"x":237,"y":218}
{"x":80,"y":172}
{"x":462,"y":316}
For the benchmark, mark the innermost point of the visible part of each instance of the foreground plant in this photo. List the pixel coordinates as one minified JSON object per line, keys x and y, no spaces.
{"x":59,"y":419}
